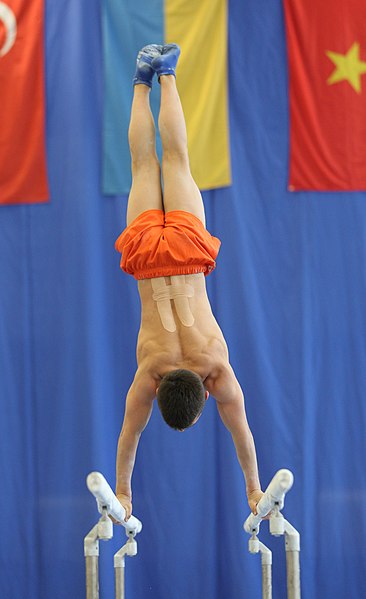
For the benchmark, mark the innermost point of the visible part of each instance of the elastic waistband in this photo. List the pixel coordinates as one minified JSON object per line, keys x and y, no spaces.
{"x":170,"y":271}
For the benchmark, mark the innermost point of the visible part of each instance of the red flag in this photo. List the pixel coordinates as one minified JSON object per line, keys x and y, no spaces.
{"x":327,"y":69}
{"x":23,"y":178}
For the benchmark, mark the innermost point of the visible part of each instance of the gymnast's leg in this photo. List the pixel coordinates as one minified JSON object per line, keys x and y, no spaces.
{"x":180,"y":189}
{"x":145,"y":192}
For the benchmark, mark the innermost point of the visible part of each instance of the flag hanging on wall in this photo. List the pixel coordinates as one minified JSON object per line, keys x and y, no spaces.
{"x":23,"y":178}
{"x":200,"y":29}
{"x":327,"y":76}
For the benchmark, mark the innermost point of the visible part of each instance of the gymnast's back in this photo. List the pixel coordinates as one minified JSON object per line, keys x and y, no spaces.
{"x":178,"y":328}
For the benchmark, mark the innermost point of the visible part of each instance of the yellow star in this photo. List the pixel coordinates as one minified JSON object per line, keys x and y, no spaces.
{"x":349,"y":67}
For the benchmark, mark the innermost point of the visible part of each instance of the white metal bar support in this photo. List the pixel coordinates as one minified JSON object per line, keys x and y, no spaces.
{"x":255,"y":546}
{"x":91,"y":553}
{"x":129,"y":548}
{"x":108,"y":504}
{"x":292,"y":546}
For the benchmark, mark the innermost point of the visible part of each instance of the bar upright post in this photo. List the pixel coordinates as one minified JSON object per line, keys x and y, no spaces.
{"x":129,"y":548}
{"x":92,"y":577}
{"x":255,"y":546}
{"x":278,"y":526}
{"x":91,"y":553}
{"x":266,"y":579}
{"x":119,"y":579}
{"x":292,"y":546}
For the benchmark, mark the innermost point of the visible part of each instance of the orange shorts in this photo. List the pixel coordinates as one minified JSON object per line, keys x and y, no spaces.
{"x":158,"y":244}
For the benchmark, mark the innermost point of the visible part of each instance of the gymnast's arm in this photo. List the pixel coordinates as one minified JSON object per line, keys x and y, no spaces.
{"x":230,"y":403}
{"x":139,"y":403}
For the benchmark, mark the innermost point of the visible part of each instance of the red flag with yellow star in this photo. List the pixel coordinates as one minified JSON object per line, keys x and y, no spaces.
{"x":326,"y":42}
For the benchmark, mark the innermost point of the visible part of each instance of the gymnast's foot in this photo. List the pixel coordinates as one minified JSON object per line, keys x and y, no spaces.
{"x":144,"y":71}
{"x":166,"y":62}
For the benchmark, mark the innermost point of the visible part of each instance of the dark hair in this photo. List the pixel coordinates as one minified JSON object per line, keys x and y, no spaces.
{"x":181,"y":398}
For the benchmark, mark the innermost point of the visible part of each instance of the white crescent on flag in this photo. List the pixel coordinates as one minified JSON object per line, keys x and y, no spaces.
{"x":8,"y":18}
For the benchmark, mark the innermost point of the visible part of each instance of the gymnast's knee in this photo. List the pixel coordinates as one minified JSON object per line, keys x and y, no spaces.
{"x":144,"y":162}
{"x":176,"y":162}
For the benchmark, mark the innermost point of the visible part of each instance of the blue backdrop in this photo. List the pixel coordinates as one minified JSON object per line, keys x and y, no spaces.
{"x":289,"y":293}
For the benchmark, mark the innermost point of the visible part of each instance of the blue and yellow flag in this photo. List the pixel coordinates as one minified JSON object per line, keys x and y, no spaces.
{"x":200,"y":29}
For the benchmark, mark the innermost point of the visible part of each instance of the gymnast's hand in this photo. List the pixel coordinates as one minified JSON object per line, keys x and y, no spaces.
{"x":126,"y":502}
{"x":253,"y":499}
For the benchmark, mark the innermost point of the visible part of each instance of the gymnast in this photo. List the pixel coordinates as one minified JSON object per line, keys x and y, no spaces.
{"x":182,"y":355}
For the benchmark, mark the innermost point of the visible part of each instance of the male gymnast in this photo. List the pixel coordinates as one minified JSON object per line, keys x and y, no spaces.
{"x":182,"y":355}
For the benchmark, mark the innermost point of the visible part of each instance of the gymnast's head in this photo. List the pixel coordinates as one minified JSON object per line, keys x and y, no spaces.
{"x":181,"y":398}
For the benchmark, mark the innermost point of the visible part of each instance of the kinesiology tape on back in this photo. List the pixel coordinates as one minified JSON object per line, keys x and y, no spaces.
{"x":179,"y":292}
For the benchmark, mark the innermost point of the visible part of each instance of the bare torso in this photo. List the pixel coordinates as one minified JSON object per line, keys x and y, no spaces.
{"x":200,"y":347}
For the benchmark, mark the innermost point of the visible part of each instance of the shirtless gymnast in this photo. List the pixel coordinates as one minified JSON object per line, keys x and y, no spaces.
{"x":181,"y":352}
